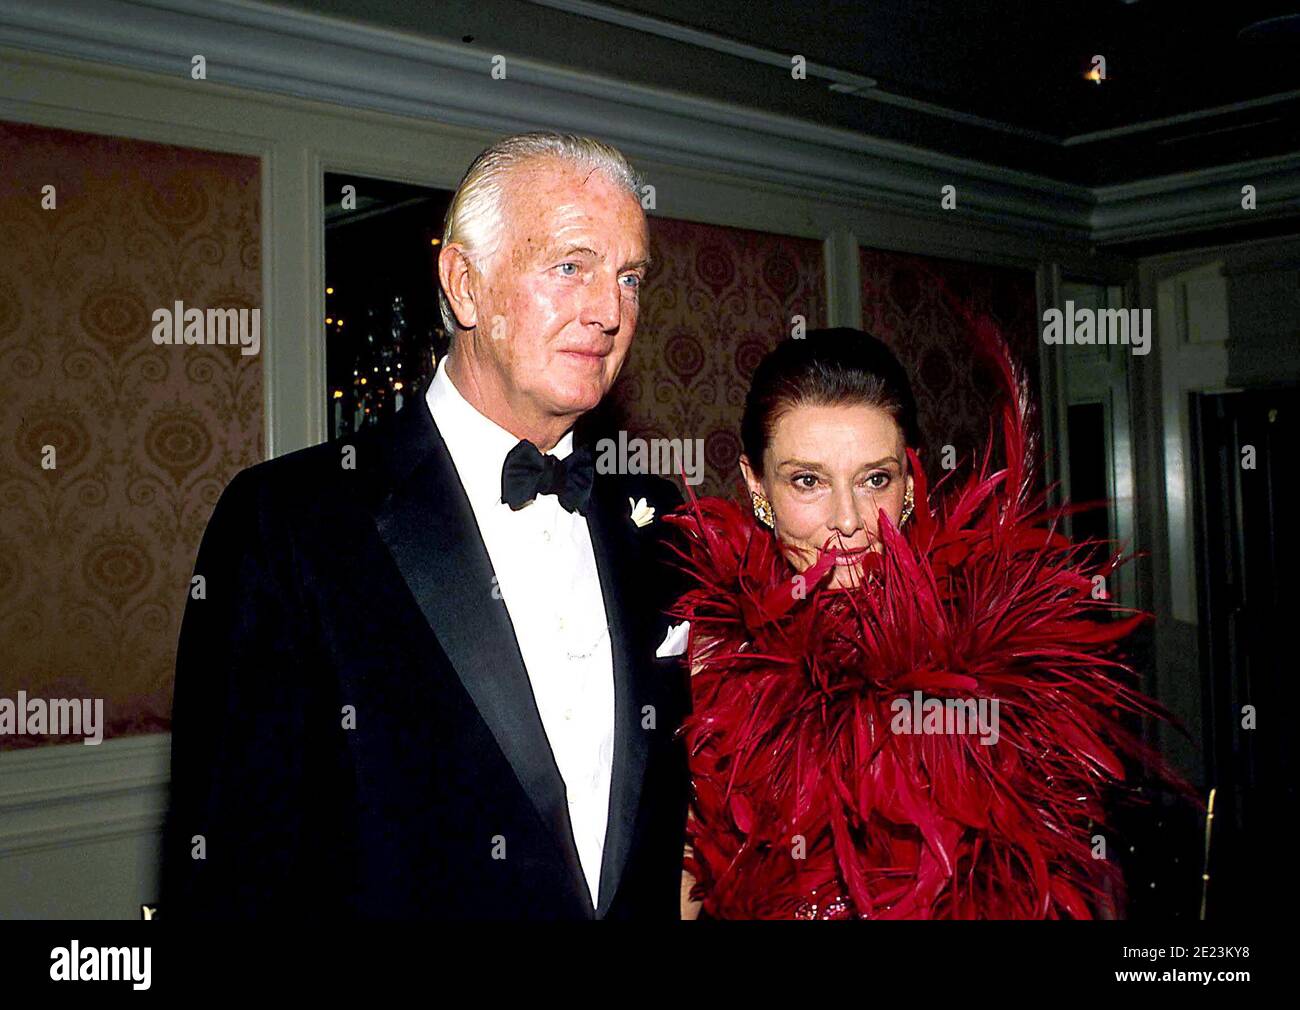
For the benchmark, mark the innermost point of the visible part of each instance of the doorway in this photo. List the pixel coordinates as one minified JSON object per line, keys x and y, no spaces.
{"x":1246,"y":555}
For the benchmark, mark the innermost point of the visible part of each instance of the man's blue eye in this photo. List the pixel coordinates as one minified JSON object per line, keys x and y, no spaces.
{"x":636,"y":281}
{"x":574,"y":265}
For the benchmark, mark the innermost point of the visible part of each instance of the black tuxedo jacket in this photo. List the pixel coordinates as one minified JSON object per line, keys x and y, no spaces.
{"x":354,"y":732}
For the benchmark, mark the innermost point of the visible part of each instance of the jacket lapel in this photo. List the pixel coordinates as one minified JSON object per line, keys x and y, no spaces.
{"x":618,"y":560}
{"x":429,"y":527}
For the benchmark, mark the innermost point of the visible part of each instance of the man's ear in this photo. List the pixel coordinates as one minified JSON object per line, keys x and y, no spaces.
{"x":456,"y":274}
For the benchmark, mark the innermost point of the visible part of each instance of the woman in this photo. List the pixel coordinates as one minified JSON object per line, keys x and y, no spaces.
{"x":902,"y":708}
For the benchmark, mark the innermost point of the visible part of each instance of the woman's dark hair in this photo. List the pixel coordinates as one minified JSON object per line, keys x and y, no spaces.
{"x":827,"y":368}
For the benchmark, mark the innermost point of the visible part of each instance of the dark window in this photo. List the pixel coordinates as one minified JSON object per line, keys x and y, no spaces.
{"x":382,"y":327}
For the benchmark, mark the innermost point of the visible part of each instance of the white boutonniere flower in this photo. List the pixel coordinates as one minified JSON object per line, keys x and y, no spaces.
{"x":642,"y":514}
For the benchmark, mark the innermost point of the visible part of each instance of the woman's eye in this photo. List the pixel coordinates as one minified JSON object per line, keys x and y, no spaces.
{"x":806,"y":481}
{"x":878,"y":481}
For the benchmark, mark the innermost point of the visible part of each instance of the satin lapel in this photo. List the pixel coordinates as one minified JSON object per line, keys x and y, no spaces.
{"x":617,"y":557}
{"x":429,"y":527}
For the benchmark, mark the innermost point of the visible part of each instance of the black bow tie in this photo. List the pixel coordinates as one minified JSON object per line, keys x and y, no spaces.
{"x":529,"y":472}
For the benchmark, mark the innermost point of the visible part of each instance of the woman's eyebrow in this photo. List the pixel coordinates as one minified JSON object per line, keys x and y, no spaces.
{"x":804,"y":464}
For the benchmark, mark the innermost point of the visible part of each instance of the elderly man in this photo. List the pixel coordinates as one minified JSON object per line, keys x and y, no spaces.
{"x":427,"y":675}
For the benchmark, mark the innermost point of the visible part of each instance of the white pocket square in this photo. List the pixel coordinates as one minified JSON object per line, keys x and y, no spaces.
{"x":674,"y":643}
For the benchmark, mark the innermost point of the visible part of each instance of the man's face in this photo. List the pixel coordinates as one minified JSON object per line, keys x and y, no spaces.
{"x":557,"y":309}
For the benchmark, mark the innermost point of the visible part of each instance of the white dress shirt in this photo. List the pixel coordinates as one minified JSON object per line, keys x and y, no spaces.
{"x":547,"y":577}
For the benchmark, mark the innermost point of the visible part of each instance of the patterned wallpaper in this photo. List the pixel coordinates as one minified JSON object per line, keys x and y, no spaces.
{"x":96,"y":554}
{"x":716,"y":300}
{"x":957,"y":393}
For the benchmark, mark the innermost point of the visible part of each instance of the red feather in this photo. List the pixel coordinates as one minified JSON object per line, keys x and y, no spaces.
{"x":808,"y":805}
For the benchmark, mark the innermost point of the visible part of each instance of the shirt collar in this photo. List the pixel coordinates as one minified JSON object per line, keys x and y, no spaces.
{"x":478,"y":445}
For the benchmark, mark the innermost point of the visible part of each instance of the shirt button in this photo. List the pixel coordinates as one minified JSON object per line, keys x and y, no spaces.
{"x":563,"y":624}
{"x":568,"y":713}
{"x":546,"y":536}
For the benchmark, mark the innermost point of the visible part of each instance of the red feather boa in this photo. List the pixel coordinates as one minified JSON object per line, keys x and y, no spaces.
{"x":807,"y":805}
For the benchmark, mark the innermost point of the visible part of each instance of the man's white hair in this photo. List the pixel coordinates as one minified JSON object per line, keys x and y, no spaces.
{"x":475,"y":217}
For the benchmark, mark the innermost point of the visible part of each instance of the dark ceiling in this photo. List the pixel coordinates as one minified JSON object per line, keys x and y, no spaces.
{"x":1001,"y":83}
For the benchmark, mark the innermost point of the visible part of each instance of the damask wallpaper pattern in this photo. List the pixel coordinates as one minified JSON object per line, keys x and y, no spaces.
{"x":96,"y":553}
{"x":716,"y":300}
{"x":957,"y":393}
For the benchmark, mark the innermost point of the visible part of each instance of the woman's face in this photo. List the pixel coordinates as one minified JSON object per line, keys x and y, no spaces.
{"x":829,"y":472}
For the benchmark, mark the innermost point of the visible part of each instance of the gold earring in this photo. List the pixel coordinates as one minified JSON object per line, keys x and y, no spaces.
{"x":762,"y":510}
{"x":908,"y":503}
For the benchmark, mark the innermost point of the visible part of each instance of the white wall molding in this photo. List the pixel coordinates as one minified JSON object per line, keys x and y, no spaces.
{"x":1100,"y":375}
{"x":80,"y":828}
{"x":263,"y":48}
{"x":66,"y":794}
{"x":1192,"y":327}
{"x":253,"y":46}
{"x":1191,"y":201}
{"x":843,"y":279}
